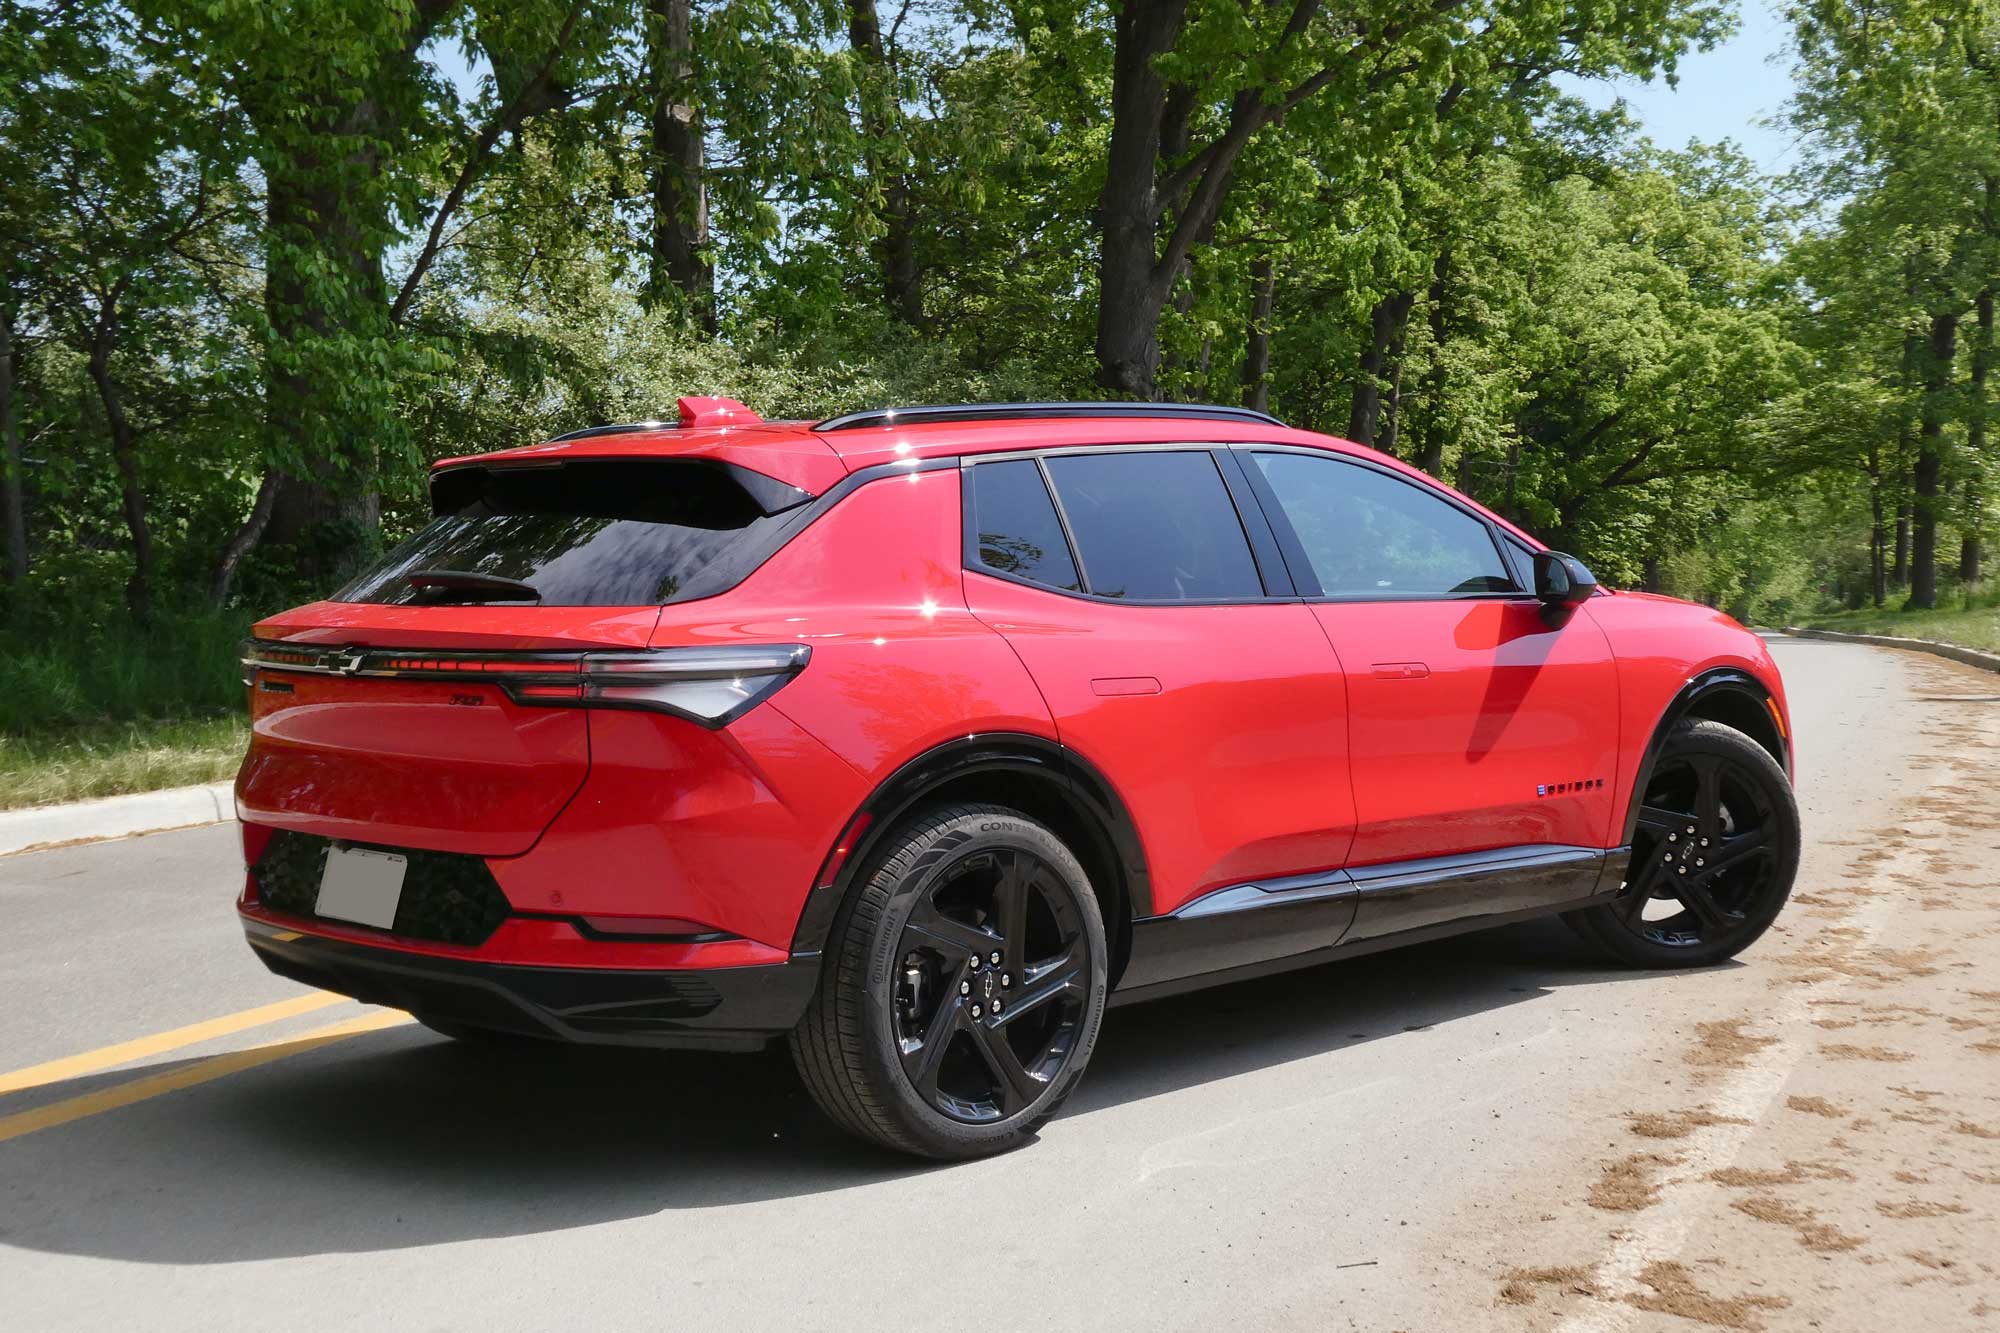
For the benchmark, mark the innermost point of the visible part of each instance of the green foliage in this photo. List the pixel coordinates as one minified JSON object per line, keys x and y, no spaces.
{"x":60,"y":669}
{"x":268,"y":259}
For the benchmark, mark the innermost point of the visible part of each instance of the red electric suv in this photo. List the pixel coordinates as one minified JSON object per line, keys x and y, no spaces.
{"x":917,"y":737}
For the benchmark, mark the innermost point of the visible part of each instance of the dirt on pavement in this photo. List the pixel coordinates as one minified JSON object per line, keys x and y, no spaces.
{"x":1828,"y":1156}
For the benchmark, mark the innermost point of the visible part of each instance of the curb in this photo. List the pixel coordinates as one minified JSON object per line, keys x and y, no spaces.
{"x":1969,"y":656}
{"x":115,"y":817}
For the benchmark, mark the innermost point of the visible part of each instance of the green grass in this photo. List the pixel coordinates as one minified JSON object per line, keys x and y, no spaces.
{"x":113,"y":758}
{"x":95,"y":704}
{"x":1969,"y":627}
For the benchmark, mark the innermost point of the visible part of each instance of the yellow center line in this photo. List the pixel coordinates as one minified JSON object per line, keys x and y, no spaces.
{"x":107,"y":1057}
{"x":201,"y":1071}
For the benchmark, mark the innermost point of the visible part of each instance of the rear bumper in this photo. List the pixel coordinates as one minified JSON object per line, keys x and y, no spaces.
{"x":719,"y":1008}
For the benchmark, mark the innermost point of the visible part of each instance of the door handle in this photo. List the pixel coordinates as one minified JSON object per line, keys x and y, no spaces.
{"x":1401,"y":671}
{"x":1114,"y":686}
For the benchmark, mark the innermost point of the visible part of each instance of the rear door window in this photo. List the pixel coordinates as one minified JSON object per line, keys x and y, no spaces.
{"x":1155,"y":526}
{"x":609,"y":533}
{"x":1016,"y":526}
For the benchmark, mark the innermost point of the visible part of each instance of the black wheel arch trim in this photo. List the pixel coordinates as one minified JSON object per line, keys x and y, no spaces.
{"x":1706,"y":686}
{"x":1091,"y":793}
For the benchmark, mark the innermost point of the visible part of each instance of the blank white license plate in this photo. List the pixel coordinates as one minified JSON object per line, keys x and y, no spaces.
{"x":361,"y":886}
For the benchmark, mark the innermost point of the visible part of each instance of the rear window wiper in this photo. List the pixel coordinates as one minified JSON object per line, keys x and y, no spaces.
{"x":462,"y":585}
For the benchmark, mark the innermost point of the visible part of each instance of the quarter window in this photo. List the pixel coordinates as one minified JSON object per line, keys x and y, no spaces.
{"x":1155,"y":526}
{"x":1369,"y":534}
{"x":1019,"y":533}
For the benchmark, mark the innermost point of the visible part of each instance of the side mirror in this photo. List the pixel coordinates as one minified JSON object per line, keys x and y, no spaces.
{"x":1561,"y":581}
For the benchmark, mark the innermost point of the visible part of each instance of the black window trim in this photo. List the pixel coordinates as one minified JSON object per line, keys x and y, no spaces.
{"x":1301,"y":566}
{"x":1270,"y":575}
{"x":1522,"y":556}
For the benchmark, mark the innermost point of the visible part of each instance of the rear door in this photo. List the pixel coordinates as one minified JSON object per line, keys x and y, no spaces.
{"x":1476,"y":724}
{"x":1172,"y":654}
{"x":381,"y":714}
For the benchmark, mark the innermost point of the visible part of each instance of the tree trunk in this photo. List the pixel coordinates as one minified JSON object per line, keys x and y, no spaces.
{"x":125,"y":454}
{"x":1899,"y":573}
{"x":883,"y":139}
{"x":329,"y":508}
{"x":1878,"y":536}
{"x":1392,"y":415}
{"x":1131,"y":292}
{"x":1930,"y":461}
{"x":1969,"y":551}
{"x":1430,"y":458}
{"x":1257,"y":359}
{"x":1385,"y":333}
{"x":13,"y":479}
{"x":678,"y":269}
{"x":1650,"y":575}
{"x":243,"y":540}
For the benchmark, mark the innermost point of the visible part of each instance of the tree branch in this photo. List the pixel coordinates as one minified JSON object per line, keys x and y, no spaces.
{"x":507,"y":119}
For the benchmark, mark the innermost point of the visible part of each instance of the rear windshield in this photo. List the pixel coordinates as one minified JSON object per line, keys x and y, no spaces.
{"x":572,"y":534}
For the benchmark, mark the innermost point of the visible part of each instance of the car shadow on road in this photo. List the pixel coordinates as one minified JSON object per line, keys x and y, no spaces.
{"x":401,"y":1139}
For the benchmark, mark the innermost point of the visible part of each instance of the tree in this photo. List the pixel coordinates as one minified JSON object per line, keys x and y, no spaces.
{"x":678,"y":261}
{"x":362,"y":147}
{"x":1903,"y":111}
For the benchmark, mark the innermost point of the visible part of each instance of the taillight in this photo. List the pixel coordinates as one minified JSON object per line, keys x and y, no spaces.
{"x":712,"y":685}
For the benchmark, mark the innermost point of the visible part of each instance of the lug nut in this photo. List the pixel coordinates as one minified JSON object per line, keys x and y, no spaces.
{"x":1690,"y":830}
{"x":995,"y":959}
{"x":1673,"y":837}
{"x":1704,"y":842}
{"x":1700,"y":862}
{"x":975,"y":1011}
{"x":1683,"y":870}
{"x":965,"y":988}
{"x":1006,"y":979}
{"x":996,"y":1005}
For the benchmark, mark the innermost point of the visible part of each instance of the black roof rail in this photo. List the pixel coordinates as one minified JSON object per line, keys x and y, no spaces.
{"x":889,"y":416}
{"x":592,"y":432}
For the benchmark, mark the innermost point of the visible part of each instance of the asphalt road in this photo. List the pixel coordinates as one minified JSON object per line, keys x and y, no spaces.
{"x":1497,"y":1131}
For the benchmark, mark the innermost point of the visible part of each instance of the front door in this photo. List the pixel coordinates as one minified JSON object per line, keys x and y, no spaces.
{"x":1475,"y":723}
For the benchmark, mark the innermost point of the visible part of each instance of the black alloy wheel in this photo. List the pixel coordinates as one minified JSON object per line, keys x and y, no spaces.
{"x":990,"y":993}
{"x":1714,"y":851}
{"x":962,"y":988}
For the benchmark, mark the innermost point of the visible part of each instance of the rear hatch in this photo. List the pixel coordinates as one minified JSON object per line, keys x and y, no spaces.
{"x":440,"y":700}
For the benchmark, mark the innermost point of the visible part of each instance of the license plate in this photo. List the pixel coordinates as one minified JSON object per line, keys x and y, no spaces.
{"x":361,"y":886}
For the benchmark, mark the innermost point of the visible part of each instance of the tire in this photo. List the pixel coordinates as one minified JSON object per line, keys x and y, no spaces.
{"x":1679,"y":852}
{"x":896,"y":1044}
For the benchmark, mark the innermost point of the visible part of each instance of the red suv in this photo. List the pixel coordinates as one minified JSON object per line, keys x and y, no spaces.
{"x":916,"y":737}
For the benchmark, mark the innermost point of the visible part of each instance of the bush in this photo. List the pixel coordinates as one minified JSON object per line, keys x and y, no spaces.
{"x":60,"y":672}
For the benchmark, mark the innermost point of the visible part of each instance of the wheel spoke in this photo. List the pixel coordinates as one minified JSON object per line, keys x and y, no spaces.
{"x":1694,"y":896}
{"x":1707,"y":796}
{"x":1010,"y":905}
{"x":1659,"y":819}
{"x":1046,"y":981}
{"x":1734,"y":852}
{"x":1643,"y":883}
{"x":952,"y":938}
{"x":923,"y":1063}
{"x":1014,"y":1087}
